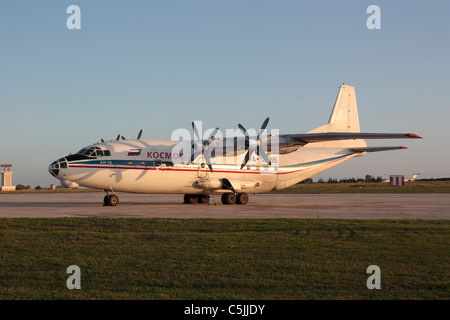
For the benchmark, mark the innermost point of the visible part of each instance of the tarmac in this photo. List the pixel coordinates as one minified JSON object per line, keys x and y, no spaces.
{"x":265,"y":206}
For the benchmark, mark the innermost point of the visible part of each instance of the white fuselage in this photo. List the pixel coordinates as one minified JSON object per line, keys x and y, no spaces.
{"x":149,"y":166}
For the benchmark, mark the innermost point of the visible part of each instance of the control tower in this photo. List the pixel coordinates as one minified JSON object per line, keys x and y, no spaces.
{"x":6,"y":178}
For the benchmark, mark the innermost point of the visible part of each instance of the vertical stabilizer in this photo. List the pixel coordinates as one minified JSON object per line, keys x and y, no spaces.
{"x":344,"y":117}
{"x":345,"y":112}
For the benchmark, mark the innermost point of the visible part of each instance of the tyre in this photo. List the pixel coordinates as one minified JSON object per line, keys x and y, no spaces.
{"x":106,"y":201}
{"x":190,"y":198}
{"x":242,"y":198}
{"x":228,"y":198}
{"x":203,"y":198}
{"x":113,"y":200}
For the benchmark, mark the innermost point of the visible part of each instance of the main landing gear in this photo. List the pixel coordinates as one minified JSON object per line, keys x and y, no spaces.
{"x":231,"y":198}
{"x":227,"y":198}
{"x":110,"y":199}
{"x":196,"y":198}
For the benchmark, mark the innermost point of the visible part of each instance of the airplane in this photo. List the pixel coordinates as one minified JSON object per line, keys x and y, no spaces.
{"x":413,"y":178}
{"x":232,"y":167}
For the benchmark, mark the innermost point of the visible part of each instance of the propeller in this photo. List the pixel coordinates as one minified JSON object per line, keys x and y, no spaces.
{"x":259,"y":151}
{"x":204,"y":145}
{"x":139,"y":134}
{"x":118,"y":137}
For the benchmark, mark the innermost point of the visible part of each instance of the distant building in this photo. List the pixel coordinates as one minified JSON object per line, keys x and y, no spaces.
{"x":6,"y":178}
{"x":397,"y":180}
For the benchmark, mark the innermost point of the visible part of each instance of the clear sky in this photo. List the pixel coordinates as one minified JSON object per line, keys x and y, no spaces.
{"x":159,"y":65}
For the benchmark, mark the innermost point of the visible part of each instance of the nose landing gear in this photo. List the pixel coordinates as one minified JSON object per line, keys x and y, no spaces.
{"x":110,"y":199}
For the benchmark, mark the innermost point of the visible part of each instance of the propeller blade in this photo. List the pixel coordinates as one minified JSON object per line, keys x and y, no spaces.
{"x":208,"y":161}
{"x":194,"y":147}
{"x":263,"y":154}
{"x":196,"y":132}
{"x":123,"y":138}
{"x":102,"y":140}
{"x":139,"y":134}
{"x":243,"y":130}
{"x":247,"y":157}
{"x":263,"y":127}
{"x":211,"y":136}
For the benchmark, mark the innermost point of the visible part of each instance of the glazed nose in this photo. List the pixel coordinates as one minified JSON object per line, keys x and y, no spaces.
{"x":54,"y":169}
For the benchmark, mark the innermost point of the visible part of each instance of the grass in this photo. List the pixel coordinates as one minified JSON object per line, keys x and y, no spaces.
{"x":370,"y":187}
{"x":223,"y":259}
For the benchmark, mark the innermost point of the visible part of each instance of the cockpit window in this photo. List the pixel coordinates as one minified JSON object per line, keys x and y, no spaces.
{"x":89,"y":152}
{"x":94,"y":152}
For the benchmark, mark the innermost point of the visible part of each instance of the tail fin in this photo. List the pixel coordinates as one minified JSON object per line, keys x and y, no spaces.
{"x":344,"y":117}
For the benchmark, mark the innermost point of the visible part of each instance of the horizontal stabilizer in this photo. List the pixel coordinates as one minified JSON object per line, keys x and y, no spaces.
{"x":376,"y":149}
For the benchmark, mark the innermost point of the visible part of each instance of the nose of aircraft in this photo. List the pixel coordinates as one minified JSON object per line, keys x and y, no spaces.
{"x":53,"y":168}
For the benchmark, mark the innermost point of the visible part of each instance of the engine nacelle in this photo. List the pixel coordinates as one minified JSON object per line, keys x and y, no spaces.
{"x":208,"y":184}
{"x":69,"y":184}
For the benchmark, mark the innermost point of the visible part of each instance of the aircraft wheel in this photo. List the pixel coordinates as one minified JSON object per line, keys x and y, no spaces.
{"x":242,"y":198}
{"x":190,"y":198}
{"x":113,"y":200}
{"x":106,"y":201}
{"x":228,"y":198}
{"x":204,"y":198}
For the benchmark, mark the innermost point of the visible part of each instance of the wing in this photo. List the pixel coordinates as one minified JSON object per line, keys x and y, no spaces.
{"x":302,"y":139}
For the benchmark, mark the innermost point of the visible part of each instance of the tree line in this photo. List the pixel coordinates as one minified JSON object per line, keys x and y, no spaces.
{"x":368,"y":178}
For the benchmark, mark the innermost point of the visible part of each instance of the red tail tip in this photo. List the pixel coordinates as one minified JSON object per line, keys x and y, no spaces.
{"x":412,"y":135}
